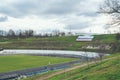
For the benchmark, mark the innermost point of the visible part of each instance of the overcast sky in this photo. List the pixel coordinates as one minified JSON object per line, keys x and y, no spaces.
{"x":49,"y":15}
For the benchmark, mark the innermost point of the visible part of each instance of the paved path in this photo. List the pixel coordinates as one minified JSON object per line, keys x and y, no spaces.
{"x":69,"y":69}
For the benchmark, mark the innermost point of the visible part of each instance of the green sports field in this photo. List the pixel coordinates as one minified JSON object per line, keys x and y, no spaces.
{"x":18,"y":62}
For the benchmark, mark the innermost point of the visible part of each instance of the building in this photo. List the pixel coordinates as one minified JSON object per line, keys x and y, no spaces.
{"x":85,"y":38}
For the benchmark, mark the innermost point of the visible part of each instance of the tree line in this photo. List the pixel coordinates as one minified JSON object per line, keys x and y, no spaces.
{"x":28,"y":33}
{"x":14,"y":34}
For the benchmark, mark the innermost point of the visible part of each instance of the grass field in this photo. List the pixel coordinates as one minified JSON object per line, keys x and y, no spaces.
{"x":54,"y":43}
{"x":17,"y":62}
{"x":106,"y":70}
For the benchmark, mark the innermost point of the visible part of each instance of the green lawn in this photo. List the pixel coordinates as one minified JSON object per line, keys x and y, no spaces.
{"x":106,"y":70}
{"x":17,"y":62}
{"x":105,"y":38}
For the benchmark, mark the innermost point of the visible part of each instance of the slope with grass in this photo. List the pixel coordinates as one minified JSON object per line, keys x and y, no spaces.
{"x":105,"y":38}
{"x":18,"y":62}
{"x":56,"y":43}
{"x":105,"y":70}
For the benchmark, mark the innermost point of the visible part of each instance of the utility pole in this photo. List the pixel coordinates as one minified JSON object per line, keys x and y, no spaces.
{"x":119,"y":30}
{"x":70,"y":30}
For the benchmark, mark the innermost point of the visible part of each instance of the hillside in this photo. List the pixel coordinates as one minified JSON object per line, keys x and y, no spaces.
{"x":108,"y":69}
{"x":55,"y":43}
{"x":105,"y":70}
{"x":105,"y":38}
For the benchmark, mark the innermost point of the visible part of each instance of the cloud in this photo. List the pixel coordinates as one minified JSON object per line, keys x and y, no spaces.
{"x":61,"y":14}
{"x":22,"y":8}
{"x":63,"y":7}
{"x":77,"y":22}
{"x":85,"y":24}
{"x":76,"y":26}
{"x":3,"y":19}
{"x":18,"y":8}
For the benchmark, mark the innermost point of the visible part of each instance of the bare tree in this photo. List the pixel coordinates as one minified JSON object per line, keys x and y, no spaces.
{"x":11,"y":34}
{"x":112,"y":8}
{"x":1,"y":33}
{"x":20,"y":34}
{"x":29,"y":33}
{"x":62,"y":33}
{"x":56,"y":32}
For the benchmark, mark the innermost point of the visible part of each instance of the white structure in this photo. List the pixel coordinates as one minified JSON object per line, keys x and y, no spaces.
{"x":50,"y":52}
{"x":85,"y":38}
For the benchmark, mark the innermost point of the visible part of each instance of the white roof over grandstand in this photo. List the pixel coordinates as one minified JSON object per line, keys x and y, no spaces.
{"x":85,"y":36}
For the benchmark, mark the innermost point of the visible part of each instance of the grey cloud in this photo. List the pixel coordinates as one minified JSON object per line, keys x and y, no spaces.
{"x":77,"y":26}
{"x":21,"y":8}
{"x":63,"y":7}
{"x":3,"y":19}
{"x":91,"y":14}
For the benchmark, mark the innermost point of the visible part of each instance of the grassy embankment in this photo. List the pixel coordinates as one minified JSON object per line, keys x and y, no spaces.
{"x":105,"y":70}
{"x":57,"y":43}
{"x":18,"y":62}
